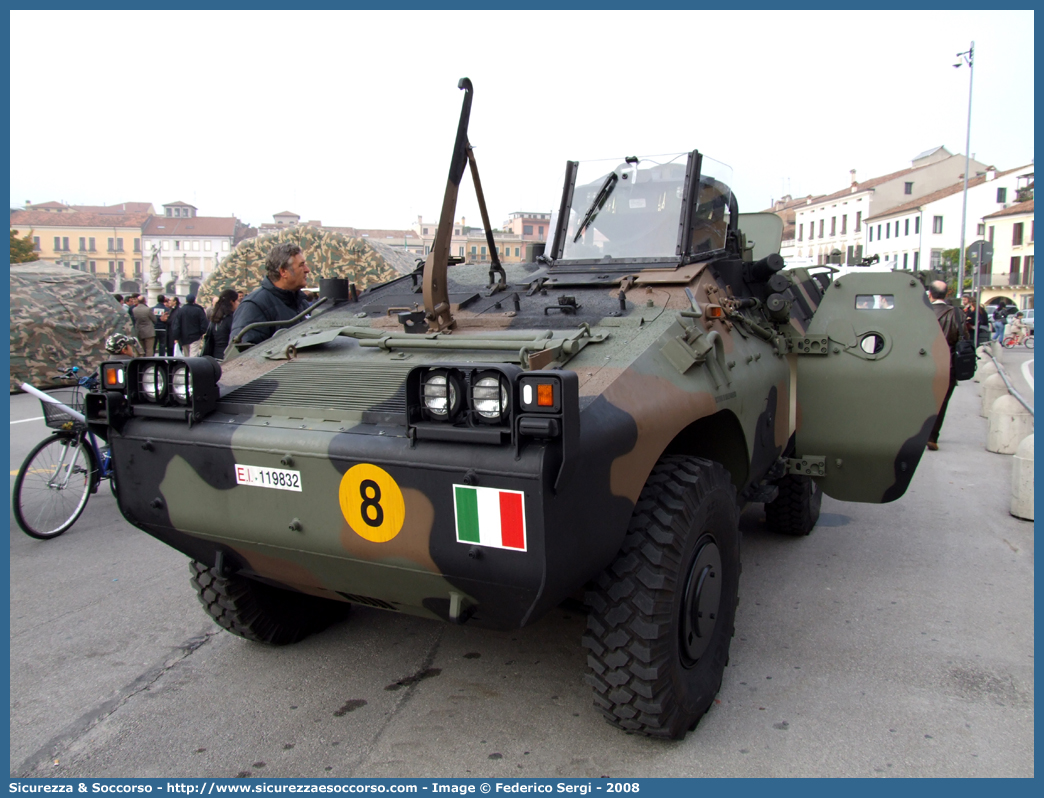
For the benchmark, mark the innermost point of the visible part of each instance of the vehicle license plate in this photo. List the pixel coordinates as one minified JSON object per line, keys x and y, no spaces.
{"x":259,"y":477}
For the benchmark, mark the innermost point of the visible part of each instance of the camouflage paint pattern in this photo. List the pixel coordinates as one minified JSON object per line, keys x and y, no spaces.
{"x":330,"y":254}
{"x":712,"y":353}
{"x":635,"y":404}
{"x":60,"y":317}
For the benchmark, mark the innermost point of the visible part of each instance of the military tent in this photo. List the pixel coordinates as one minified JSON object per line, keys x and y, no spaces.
{"x":59,"y":318}
{"x":330,"y":254}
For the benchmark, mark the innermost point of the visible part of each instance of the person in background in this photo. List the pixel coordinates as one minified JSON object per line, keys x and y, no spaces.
{"x":129,"y":302}
{"x":188,"y":326}
{"x":998,"y":323}
{"x":123,"y":347}
{"x":976,"y":316}
{"x":1017,"y":330}
{"x":951,"y":327}
{"x":162,"y":314}
{"x":221,"y":323}
{"x":144,"y":325}
{"x":280,"y":296}
{"x":173,"y":309}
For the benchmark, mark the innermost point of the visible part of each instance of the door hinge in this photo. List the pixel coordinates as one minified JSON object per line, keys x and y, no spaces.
{"x":812,"y":466}
{"x":809,"y":344}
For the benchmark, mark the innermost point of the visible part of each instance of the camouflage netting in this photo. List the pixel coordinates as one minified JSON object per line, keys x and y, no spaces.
{"x":366,"y":263}
{"x":59,"y":318}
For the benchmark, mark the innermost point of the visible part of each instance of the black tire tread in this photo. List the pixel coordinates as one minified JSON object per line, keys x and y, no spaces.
{"x":628,"y":635}
{"x":259,"y":612}
{"x":795,"y":510}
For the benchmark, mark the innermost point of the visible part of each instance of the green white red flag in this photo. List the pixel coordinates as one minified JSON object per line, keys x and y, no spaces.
{"x":490,"y":517}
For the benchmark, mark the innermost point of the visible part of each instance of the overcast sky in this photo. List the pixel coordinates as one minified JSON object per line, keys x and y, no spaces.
{"x":349,"y":117}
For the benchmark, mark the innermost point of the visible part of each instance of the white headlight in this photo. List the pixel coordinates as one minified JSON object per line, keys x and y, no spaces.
{"x":153,"y":383}
{"x":440,"y":395}
{"x":490,"y":397}
{"x":181,"y":385}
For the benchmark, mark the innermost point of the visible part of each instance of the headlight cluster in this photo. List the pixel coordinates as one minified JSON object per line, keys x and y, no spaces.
{"x":483,"y":397}
{"x":491,"y":403}
{"x":165,"y":383}
{"x":165,"y":387}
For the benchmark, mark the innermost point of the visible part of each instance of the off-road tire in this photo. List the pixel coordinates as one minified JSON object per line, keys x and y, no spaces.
{"x":260,"y":612}
{"x":795,"y":510}
{"x":680,"y":555}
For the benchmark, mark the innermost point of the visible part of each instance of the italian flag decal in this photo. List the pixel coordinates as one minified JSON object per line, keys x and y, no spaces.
{"x":490,"y":517}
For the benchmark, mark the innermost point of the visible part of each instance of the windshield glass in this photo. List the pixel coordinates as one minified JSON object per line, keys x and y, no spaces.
{"x":631,"y":208}
{"x":639,"y":217}
{"x":710,"y":218}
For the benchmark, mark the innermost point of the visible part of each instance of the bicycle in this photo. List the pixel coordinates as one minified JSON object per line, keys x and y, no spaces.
{"x":1014,"y":340}
{"x":63,"y":470}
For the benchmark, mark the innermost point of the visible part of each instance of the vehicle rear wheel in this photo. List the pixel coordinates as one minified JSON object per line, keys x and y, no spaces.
{"x":661,"y":615}
{"x":795,"y":510}
{"x":260,"y":612}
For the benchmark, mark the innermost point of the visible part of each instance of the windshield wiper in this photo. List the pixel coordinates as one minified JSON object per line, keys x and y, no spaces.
{"x":596,"y":206}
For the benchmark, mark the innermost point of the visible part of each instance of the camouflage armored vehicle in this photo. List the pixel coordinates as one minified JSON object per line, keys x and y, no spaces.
{"x":476,"y":444}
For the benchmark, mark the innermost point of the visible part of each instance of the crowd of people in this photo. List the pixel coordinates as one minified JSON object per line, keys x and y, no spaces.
{"x":170,"y":328}
{"x":992,"y":327}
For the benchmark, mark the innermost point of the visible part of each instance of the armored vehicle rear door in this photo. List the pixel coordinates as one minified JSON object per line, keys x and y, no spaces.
{"x":871,"y":374}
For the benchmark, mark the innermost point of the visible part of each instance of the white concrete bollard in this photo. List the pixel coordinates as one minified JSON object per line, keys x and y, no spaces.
{"x":1010,"y":422}
{"x":993,"y":388}
{"x":985,"y":368}
{"x":1022,"y":480}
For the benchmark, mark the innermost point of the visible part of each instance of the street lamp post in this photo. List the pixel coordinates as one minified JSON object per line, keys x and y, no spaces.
{"x":967,"y":57}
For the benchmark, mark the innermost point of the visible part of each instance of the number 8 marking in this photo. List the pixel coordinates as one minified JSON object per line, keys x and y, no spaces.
{"x":371,"y":503}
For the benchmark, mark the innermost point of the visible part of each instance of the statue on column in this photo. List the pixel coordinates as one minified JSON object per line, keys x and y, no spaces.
{"x":154,"y":287}
{"x":183,"y":285}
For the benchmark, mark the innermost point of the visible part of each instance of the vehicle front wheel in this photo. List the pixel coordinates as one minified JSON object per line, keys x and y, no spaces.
{"x":661,"y":615}
{"x":795,"y":510}
{"x":260,"y":612}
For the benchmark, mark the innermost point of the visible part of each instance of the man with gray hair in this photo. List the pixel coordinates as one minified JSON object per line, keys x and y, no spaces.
{"x":952,"y":329}
{"x":278,"y":299}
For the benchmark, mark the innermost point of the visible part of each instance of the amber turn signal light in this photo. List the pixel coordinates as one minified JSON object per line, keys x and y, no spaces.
{"x":115,"y":377}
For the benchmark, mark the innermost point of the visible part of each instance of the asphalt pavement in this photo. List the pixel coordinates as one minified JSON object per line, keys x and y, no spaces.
{"x":895,"y":640}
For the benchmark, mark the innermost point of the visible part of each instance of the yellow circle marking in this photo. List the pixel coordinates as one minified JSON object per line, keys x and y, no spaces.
{"x":372,"y":503}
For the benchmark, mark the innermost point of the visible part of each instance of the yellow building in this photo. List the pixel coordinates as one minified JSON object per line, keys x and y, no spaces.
{"x":95,"y":240}
{"x":1011,"y":275}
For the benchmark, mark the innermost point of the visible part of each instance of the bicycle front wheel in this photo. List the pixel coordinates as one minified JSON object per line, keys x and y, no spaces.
{"x":52,"y":486}
{"x":1028,"y":342}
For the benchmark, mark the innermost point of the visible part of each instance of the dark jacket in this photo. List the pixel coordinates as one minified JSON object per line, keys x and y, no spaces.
{"x":222,"y":335}
{"x":267,"y":303}
{"x":160,"y":311}
{"x":948,"y":320}
{"x":188,"y":324}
